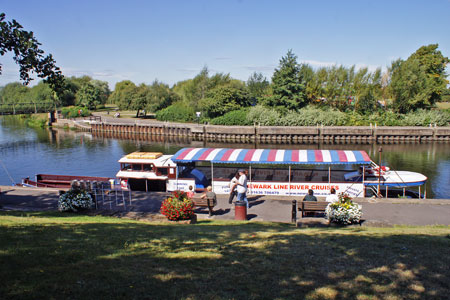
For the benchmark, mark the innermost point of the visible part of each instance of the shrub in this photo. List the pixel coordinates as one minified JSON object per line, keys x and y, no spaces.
{"x":235,"y":117}
{"x":344,"y":211}
{"x":177,"y":112}
{"x":75,"y":199}
{"x":424,"y":117}
{"x":73,"y":112}
{"x":177,"y":207}
{"x":263,"y":116}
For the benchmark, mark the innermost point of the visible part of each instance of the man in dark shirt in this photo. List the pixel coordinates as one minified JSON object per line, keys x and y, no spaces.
{"x":310,"y":196}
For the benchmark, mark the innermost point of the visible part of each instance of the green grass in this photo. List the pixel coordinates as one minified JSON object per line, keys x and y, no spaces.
{"x":52,"y":255}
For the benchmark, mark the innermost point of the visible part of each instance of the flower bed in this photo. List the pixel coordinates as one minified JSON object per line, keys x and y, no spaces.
{"x":178,"y":207}
{"x":344,"y":211}
{"x":75,"y":199}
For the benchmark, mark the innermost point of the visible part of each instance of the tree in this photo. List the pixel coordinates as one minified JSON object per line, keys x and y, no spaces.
{"x":123,"y":94}
{"x":160,"y":96}
{"x":193,"y":90}
{"x":223,"y":99}
{"x":88,"y":95}
{"x":420,"y":81}
{"x":287,"y":85}
{"x":27,"y":54}
{"x":41,"y":93}
{"x":140,"y":98}
{"x":13,"y":93}
{"x":257,"y":86}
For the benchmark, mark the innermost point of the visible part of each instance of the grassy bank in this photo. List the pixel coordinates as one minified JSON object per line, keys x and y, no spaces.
{"x":52,"y":255}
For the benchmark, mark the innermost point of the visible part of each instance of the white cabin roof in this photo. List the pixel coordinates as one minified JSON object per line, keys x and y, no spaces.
{"x":162,"y":161}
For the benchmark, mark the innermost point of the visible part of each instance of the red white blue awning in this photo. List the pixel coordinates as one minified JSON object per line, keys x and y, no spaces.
{"x":270,"y":156}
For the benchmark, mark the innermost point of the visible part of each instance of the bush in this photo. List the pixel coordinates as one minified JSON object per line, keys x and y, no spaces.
{"x":424,"y":117}
{"x":177,"y":112}
{"x":308,"y":116}
{"x":263,"y":116}
{"x":75,"y":199}
{"x":177,"y":207}
{"x":344,"y":211}
{"x":235,"y":117}
{"x":73,"y":112}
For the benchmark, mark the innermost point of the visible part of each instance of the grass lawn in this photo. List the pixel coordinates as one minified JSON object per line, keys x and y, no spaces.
{"x":65,"y":256}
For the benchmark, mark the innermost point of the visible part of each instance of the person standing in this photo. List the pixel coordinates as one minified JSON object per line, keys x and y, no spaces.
{"x":242,"y":187}
{"x":233,"y":193}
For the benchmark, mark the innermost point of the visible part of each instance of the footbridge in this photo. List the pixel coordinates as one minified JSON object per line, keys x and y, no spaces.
{"x":26,"y":108}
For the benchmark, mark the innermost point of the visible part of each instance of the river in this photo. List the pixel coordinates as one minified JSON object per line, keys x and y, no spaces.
{"x":25,"y":152}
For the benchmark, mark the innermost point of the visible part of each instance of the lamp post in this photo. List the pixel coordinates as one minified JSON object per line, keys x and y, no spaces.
{"x":379,"y":171}
{"x":198,"y":113}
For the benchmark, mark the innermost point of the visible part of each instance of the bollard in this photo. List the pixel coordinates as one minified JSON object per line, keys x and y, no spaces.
{"x":240,"y":211}
{"x":294,"y":211}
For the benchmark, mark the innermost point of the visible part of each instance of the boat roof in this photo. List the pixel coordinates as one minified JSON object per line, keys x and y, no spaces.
{"x":161,"y":161}
{"x":271,"y":156}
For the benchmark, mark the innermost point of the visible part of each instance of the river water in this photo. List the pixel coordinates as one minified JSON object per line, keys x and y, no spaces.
{"x":25,"y":152}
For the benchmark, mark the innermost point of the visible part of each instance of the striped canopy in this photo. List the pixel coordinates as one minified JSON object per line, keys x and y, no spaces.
{"x":270,"y":156}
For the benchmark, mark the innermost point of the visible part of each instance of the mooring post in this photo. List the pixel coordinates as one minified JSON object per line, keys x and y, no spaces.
{"x":294,"y":212}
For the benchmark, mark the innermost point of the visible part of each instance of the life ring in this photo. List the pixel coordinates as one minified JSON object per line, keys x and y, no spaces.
{"x":124,"y":184}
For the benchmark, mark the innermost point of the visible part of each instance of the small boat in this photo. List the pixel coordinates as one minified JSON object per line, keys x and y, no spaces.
{"x":271,"y":171}
{"x":59,"y":181}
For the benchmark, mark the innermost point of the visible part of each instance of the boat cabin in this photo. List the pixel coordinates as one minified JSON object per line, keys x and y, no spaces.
{"x":146,"y":171}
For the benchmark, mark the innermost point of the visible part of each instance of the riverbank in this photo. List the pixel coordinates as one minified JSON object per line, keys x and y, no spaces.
{"x":106,"y":124}
{"x":376,"y":212}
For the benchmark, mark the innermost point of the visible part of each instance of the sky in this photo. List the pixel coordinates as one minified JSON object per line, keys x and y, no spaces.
{"x":171,"y":41}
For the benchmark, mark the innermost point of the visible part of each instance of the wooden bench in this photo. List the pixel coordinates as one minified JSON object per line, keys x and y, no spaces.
{"x":312,"y":206}
{"x":209,"y":203}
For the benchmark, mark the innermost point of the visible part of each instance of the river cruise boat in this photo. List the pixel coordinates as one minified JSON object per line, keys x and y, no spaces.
{"x":270,"y":171}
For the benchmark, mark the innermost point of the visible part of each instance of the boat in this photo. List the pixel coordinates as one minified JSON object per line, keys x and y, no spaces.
{"x":59,"y":181}
{"x":270,"y":171}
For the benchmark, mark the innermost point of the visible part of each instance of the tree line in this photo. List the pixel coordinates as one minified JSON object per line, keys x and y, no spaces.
{"x":408,"y":85}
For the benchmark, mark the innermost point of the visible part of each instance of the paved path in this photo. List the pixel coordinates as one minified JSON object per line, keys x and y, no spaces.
{"x":380,"y":212}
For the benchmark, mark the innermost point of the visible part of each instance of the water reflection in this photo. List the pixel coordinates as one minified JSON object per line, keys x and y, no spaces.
{"x":26,"y":152}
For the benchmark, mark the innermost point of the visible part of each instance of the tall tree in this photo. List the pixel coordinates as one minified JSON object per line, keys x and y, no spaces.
{"x":160,"y":96}
{"x":28,"y":55}
{"x":89,"y":95}
{"x":287,"y":85}
{"x":257,"y":86}
{"x":420,"y":81}
{"x":223,"y":99}
{"x":140,"y":98}
{"x":123,"y":94}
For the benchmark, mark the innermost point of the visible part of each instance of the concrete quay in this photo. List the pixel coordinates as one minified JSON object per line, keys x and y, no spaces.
{"x":145,"y":206}
{"x":107,"y":125}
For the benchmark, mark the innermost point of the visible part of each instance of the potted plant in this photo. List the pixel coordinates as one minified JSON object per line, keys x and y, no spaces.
{"x":178,"y":207}
{"x":344,"y":211}
{"x":74,"y":200}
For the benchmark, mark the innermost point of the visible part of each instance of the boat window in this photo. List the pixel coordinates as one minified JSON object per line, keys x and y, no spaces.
{"x":147,"y":167}
{"x":163,"y":171}
{"x":126,"y":167}
{"x":137,"y":167}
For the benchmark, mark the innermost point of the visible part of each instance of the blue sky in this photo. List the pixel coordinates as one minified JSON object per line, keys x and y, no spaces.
{"x":172,"y":40}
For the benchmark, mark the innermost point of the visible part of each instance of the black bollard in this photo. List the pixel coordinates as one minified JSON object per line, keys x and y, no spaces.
{"x":294,"y":211}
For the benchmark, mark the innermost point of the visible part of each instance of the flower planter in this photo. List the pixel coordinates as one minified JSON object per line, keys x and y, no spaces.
{"x":192,"y":220}
{"x":178,"y":207}
{"x":343,"y":212}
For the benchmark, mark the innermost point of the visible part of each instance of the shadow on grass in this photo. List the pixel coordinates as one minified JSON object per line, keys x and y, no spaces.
{"x":109,"y":258}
